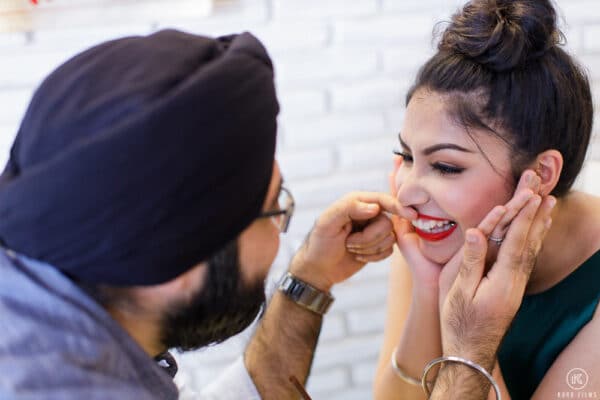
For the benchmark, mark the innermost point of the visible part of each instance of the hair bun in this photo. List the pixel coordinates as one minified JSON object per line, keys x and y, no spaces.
{"x":502,"y":34}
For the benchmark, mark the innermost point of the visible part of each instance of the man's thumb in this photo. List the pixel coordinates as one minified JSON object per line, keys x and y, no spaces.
{"x":362,"y":211}
{"x":473,"y":262}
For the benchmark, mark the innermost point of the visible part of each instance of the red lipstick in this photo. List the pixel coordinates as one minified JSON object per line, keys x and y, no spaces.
{"x":434,"y":237}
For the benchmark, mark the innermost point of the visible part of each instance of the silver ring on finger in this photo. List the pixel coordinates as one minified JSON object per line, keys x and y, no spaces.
{"x":496,"y":240}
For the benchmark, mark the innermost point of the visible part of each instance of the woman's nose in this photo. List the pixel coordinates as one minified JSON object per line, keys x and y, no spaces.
{"x":410,"y":191}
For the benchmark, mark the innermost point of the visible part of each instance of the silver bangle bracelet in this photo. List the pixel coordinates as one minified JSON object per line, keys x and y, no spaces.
{"x":459,"y":360}
{"x":400,"y":373}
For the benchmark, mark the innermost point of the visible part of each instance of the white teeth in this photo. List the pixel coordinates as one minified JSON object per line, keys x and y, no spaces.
{"x":432,"y":226}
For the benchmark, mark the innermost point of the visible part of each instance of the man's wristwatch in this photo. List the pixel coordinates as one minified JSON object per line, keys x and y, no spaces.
{"x":304,"y":294}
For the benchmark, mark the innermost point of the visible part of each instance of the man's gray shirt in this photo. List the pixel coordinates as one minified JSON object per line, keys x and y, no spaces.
{"x":57,"y":343}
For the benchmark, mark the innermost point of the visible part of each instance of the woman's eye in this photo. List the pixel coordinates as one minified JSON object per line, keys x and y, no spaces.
{"x":446,"y":169}
{"x":405,"y":156}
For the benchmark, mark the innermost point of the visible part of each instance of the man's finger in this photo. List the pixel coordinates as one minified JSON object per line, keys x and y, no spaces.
{"x":363,"y":211}
{"x":539,"y":228}
{"x":510,"y":255}
{"x":528,"y":186}
{"x":361,"y":206}
{"x":491,"y":220}
{"x":449,"y":273}
{"x":345,"y":211}
{"x":529,"y":180}
{"x":388,"y":203}
{"x":513,"y":207}
{"x":473,"y":262}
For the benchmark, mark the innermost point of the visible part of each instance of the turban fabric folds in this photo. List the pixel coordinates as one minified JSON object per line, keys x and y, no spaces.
{"x":140,"y":157}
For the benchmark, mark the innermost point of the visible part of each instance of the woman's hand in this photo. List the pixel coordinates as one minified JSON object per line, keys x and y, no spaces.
{"x":425,"y":273}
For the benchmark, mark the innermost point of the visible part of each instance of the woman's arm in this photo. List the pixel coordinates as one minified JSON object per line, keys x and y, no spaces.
{"x":497,"y":374}
{"x":412,"y":326}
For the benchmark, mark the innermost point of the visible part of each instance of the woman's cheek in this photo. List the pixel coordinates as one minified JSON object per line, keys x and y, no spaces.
{"x":467,"y":204}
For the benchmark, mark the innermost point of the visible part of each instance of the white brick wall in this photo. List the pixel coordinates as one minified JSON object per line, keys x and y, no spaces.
{"x":342,"y":69}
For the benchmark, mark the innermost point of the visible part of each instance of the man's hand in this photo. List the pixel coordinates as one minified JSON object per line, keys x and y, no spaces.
{"x":351,"y":232}
{"x":480,"y":307}
{"x":495,"y":224}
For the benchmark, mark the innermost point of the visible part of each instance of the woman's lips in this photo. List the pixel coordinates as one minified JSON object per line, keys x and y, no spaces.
{"x":433,"y":229}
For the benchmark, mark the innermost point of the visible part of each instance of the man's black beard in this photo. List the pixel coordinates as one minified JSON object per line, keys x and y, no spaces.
{"x":224,"y":306}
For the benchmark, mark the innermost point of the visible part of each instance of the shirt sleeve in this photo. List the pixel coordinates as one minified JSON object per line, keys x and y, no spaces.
{"x":233,"y":384}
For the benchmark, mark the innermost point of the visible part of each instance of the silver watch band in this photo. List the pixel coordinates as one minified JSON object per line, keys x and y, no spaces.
{"x":304,"y":294}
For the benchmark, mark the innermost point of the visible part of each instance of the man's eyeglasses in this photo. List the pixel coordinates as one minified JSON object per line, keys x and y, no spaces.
{"x":285,"y":209}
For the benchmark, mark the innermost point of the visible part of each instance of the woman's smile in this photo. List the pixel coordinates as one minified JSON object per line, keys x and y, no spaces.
{"x":433,"y":229}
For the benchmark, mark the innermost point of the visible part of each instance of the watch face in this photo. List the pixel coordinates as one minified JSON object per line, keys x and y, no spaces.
{"x":305,"y":295}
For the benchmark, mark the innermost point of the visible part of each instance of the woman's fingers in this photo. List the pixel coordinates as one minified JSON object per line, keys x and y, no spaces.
{"x":375,"y":242}
{"x":374,"y":257}
{"x":376,"y":248}
{"x":392,"y":176}
{"x":375,"y":239}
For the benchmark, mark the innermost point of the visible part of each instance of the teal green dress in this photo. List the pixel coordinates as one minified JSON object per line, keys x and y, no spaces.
{"x":544,"y":325}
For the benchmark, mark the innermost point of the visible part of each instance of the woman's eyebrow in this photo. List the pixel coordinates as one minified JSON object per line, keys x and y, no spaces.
{"x":443,"y":146}
{"x":437,"y":147}
{"x":403,"y":144}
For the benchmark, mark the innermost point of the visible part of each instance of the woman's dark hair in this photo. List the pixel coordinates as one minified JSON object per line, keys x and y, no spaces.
{"x":502,"y":66}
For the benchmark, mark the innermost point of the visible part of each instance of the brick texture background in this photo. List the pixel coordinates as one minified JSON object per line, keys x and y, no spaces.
{"x":342,"y":69}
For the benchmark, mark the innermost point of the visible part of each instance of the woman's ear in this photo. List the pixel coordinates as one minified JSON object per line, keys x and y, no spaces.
{"x":548,"y":165}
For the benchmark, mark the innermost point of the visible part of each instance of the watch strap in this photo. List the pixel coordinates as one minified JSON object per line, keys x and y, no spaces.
{"x":304,"y":294}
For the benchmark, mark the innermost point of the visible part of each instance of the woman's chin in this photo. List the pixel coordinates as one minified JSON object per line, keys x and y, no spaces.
{"x":437,"y":252}
{"x":441,"y":260}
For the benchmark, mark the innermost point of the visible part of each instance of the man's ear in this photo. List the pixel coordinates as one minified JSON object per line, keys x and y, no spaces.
{"x":180,"y":289}
{"x":548,"y":165}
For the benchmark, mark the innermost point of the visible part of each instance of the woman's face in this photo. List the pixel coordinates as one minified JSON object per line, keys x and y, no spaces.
{"x":445,"y":175}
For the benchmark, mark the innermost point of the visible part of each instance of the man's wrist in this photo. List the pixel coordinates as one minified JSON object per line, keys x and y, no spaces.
{"x":458,"y":381}
{"x":304,"y":294}
{"x":309,"y":273}
{"x":485,"y":356}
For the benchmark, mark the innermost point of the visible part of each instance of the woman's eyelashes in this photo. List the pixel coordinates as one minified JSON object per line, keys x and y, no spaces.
{"x":445,"y":169}
{"x":439,"y":167}
{"x":405,"y":156}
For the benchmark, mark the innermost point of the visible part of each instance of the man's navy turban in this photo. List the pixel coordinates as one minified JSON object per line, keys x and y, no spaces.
{"x":140,"y":157}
